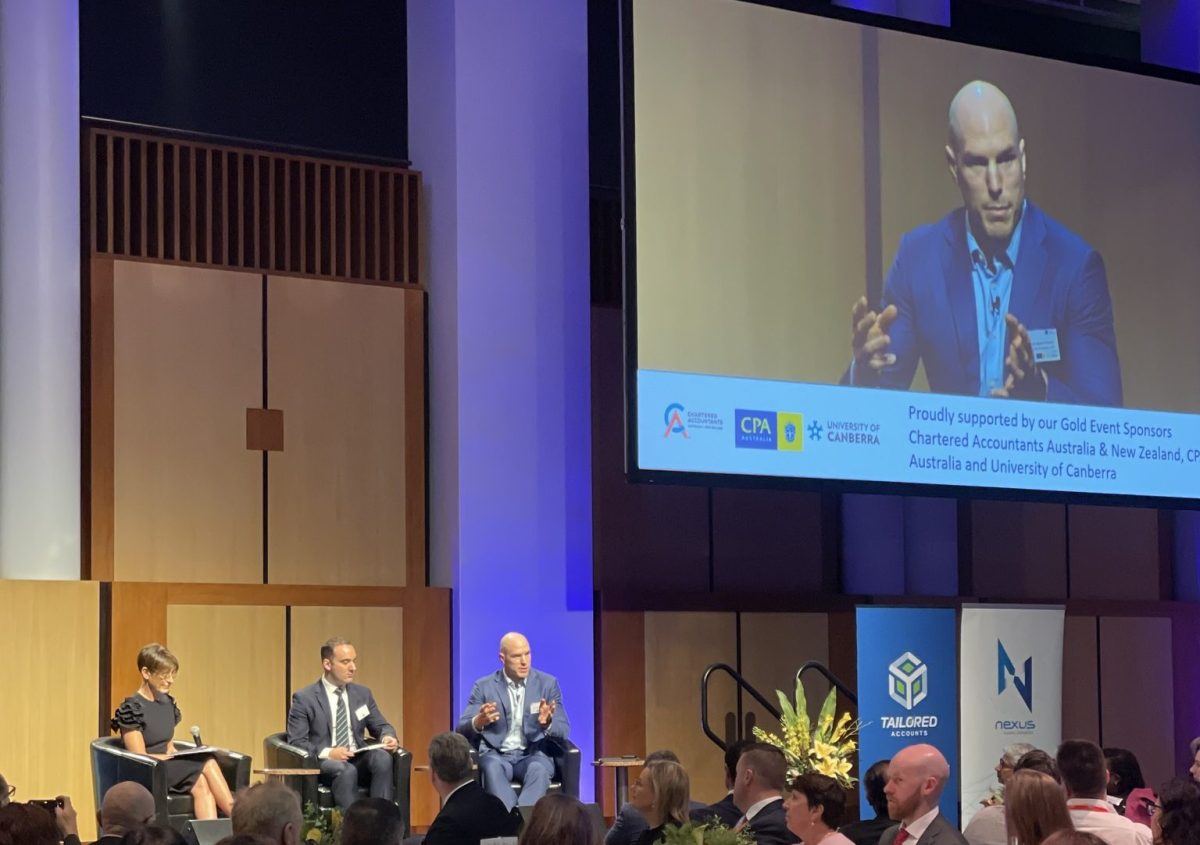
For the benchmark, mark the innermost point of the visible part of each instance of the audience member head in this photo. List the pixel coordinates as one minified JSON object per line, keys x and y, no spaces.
{"x":1073,"y":837}
{"x":269,"y":810}
{"x":732,"y":752}
{"x":660,"y":793}
{"x":1177,"y":820}
{"x":815,"y":805}
{"x":1124,"y":773}
{"x":1035,"y":806}
{"x":1009,"y":758}
{"x":916,"y":777}
{"x":761,"y":773}
{"x":874,"y":782}
{"x":372,"y":821}
{"x":1081,"y":764}
{"x":127,"y":806}
{"x":1038,"y":760}
{"x":449,"y":761}
{"x":153,"y":835}
{"x":558,"y":820}
{"x":27,"y":824}
{"x":6,"y":791}
{"x":662,"y":754}
{"x":1194,"y":771}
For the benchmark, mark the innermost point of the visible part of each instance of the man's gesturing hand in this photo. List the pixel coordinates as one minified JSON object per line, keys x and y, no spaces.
{"x":869,"y":340}
{"x":488,"y":713}
{"x":1023,"y":378}
{"x":545,"y":712}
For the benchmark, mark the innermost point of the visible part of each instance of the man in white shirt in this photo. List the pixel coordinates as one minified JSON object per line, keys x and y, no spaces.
{"x":758,"y":782}
{"x":1085,"y":777}
{"x":917,"y":775}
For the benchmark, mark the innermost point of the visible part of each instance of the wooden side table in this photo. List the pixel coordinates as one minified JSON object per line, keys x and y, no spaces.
{"x":292,"y":778}
{"x":620,"y":767}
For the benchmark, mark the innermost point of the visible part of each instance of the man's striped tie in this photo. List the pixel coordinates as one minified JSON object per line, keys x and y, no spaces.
{"x":342,"y":720}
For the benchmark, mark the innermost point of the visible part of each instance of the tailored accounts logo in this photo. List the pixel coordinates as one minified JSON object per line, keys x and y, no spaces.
{"x":775,"y":430}
{"x":1006,"y":669}
{"x":908,"y":680}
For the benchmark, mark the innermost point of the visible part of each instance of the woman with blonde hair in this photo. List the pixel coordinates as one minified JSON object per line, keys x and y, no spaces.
{"x":147,"y":721}
{"x":661,"y":795}
{"x":1035,"y":806}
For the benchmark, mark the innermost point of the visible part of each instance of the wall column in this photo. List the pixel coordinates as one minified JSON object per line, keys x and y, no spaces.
{"x":39,"y":290}
{"x":498,"y":125}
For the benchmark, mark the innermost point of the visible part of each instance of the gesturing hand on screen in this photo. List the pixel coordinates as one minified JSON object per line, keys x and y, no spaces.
{"x":545,"y":712}
{"x":869,"y":340}
{"x":1023,"y":378}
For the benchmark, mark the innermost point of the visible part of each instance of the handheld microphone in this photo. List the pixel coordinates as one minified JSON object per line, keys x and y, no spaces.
{"x":196,"y":735}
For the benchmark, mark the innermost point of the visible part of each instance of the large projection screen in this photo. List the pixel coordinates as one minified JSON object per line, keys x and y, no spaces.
{"x":1023,"y":231}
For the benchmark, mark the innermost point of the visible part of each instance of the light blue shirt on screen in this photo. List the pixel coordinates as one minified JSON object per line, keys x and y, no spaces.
{"x":992,"y":282}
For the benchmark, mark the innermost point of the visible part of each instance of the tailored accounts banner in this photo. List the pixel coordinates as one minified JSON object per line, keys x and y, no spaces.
{"x":907,"y":685}
{"x":1011,"y":676}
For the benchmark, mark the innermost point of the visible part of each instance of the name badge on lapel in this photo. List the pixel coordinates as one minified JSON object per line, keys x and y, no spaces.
{"x":362,"y":712}
{"x":533,"y":709}
{"x":1045,"y":345}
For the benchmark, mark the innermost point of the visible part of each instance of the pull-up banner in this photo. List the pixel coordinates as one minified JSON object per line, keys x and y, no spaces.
{"x":907,"y":687}
{"x":1011,"y":690}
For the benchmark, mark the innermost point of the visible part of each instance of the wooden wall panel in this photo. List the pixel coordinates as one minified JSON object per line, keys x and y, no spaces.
{"x":48,"y":714}
{"x":187,"y":493}
{"x":621,"y":722}
{"x":678,"y":648}
{"x":774,"y":645}
{"x":427,"y":706}
{"x":1114,"y":553}
{"x":231,"y":672}
{"x":1081,"y":691}
{"x":767,"y":536}
{"x":1137,"y":691}
{"x":139,"y":617}
{"x":98,"y":424}
{"x":378,"y":637}
{"x":336,"y":502}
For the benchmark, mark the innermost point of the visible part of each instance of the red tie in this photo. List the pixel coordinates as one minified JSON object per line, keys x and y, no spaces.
{"x":902,"y":836}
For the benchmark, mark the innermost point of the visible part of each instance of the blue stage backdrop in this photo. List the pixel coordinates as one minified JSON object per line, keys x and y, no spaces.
{"x":908,"y":688}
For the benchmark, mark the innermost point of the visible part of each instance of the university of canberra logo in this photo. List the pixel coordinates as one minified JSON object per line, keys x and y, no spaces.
{"x":775,"y":430}
{"x":1006,"y":669}
{"x":908,"y":680}
{"x":673,"y":417}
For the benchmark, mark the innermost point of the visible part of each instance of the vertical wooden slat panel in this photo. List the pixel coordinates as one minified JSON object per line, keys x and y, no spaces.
{"x":160,"y":200}
{"x":108,"y":191}
{"x":143,"y":196}
{"x":302,"y":223}
{"x":257,"y":260}
{"x":375,"y":180}
{"x":403,"y":276}
{"x":317,"y":218}
{"x":271,"y":212}
{"x":93,"y":158}
{"x":194,"y":217}
{"x":333,"y":230}
{"x":177,"y":202}
{"x":208,"y":201}
{"x":126,"y":190}
{"x":241,"y":210}
{"x":362,"y":222}
{"x":389,"y":221}
{"x":286,"y":211}
{"x":346,"y":222}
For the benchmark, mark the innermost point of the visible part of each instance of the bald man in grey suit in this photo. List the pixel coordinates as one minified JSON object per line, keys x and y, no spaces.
{"x":916,"y":777}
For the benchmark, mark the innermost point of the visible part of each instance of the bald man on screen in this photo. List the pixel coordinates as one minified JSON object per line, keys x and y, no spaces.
{"x":917,"y":776}
{"x":997,"y":298}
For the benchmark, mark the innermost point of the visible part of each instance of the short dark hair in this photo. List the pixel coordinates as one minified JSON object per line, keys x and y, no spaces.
{"x":330,"y":644}
{"x":27,"y":824}
{"x":1081,"y":763}
{"x":372,"y":821}
{"x":768,"y":763}
{"x":1180,"y":816}
{"x":874,"y":781}
{"x":824,"y":792}
{"x":733,"y":753}
{"x":155,"y":657}
{"x":558,"y":819}
{"x":450,"y":757}
{"x":1038,"y":760}
{"x":153,"y":835}
{"x":1124,"y":766}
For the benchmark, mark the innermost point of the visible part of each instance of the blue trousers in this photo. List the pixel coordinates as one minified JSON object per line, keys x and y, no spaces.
{"x":532,"y":770}
{"x":343,"y":777}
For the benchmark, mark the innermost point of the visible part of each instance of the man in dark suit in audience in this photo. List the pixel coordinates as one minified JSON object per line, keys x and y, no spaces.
{"x":759,"y":779}
{"x":867,"y":832}
{"x":917,"y":775}
{"x":328,"y":719}
{"x":468,"y":813}
{"x":725,"y":811}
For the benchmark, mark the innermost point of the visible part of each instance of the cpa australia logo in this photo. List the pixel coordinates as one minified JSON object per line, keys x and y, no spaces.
{"x":908,"y":680}
{"x":1022,"y":683}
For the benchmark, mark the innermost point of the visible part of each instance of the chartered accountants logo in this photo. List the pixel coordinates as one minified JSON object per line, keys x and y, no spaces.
{"x":774,"y":430}
{"x":1006,"y":672}
{"x":908,"y":680}
{"x":673,"y":417}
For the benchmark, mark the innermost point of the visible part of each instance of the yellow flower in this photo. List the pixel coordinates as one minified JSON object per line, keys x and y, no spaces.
{"x":314,"y":835}
{"x":823,"y":750}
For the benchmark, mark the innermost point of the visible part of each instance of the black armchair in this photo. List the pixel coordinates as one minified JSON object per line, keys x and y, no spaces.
{"x":567,"y":765}
{"x":112,"y":763}
{"x":280,"y":755}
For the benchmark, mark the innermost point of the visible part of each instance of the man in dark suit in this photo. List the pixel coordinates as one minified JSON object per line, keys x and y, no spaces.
{"x":968,"y":296}
{"x":759,"y":779}
{"x":511,"y":716}
{"x":725,"y":811}
{"x":468,"y":813}
{"x":330,"y":720}
{"x":917,"y":775}
{"x":867,"y":832}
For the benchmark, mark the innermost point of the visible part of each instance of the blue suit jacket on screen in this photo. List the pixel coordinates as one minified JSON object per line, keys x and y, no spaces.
{"x":309,"y":719}
{"x":538,"y":685}
{"x":1059,"y":283}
